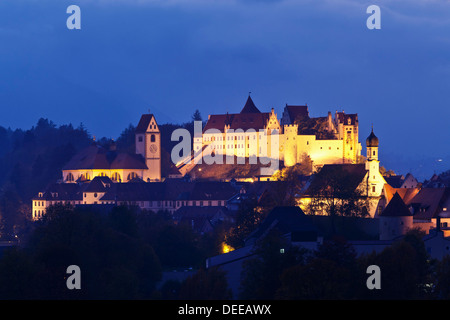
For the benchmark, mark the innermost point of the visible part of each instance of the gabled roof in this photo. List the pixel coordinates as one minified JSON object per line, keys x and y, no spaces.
{"x":99,"y":184}
{"x":128,"y":161}
{"x":62,"y":191}
{"x":426,"y":204}
{"x":395,"y":181}
{"x":144,"y":122}
{"x":297,"y":112}
{"x":170,"y":190}
{"x":236,"y":121}
{"x":249,"y":118}
{"x":396,"y":208}
{"x":97,"y":157}
{"x":287,"y":219}
{"x":407,"y":194}
{"x":135,"y":192}
{"x":91,"y":157}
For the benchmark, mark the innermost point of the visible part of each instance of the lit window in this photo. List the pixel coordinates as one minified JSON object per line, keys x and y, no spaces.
{"x":132,"y":175}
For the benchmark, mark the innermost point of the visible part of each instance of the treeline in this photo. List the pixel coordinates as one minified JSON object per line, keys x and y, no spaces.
{"x":121,"y":254}
{"x":335,"y":272}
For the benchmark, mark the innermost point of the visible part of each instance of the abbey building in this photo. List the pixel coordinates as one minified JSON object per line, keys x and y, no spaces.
{"x":144,"y":164}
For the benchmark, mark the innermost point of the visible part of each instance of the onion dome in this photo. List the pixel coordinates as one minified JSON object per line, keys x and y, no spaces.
{"x":372,"y":140}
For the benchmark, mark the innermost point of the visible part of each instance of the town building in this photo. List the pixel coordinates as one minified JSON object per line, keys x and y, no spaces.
{"x":365,"y":179}
{"x":169,"y":195}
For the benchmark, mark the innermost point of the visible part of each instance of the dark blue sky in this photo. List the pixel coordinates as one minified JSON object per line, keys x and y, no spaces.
{"x":175,"y":56}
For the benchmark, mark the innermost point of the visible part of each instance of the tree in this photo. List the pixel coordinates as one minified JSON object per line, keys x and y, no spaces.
{"x":330,"y":273}
{"x":405,"y":270}
{"x":337,"y":193}
{"x":12,"y":214}
{"x":248,"y":217}
{"x":115,"y":262}
{"x":206,"y":284}
{"x":196,"y":116}
{"x":260,"y":277}
{"x":442,"y":278}
{"x":126,"y":140}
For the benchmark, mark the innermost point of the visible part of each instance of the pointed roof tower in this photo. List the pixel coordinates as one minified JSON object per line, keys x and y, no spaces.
{"x":372,"y":140}
{"x":396,"y":208}
{"x":250,"y":106}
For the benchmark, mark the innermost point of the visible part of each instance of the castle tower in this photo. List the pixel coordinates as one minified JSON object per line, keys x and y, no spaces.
{"x":290,"y":145}
{"x":148,"y":144}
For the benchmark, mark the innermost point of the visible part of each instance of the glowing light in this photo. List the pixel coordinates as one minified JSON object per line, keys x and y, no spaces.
{"x":226,"y":248}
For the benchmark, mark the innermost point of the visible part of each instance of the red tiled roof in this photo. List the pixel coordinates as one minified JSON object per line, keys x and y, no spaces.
{"x":97,"y":157}
{"x":249,"y":118}
{"x":427,"y":202}
{"x":236,"y":121}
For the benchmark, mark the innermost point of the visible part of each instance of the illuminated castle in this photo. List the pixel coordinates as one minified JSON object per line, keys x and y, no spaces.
{"x":322,"y":140}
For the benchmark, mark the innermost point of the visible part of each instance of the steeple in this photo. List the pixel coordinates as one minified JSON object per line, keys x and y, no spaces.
{"x":372,"y":140}
{"x":372,"y":146}
{"x":250,"y":106}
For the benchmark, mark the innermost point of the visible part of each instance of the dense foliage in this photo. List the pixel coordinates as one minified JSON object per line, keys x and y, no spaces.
{"x":121,"y":254}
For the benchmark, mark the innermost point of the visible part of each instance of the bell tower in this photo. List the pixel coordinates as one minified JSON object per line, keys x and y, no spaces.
{"x":375,"y":180}
{"x":372,"y":147}
{"x":148,"y":144}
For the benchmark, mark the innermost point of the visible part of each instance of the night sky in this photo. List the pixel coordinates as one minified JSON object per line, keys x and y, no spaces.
{"x":172,"y":57}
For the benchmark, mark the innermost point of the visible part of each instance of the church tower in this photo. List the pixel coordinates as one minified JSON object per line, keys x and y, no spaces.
{"x":375,"y":180}
{"x":148,"y":144}
{"x":372,"y":147}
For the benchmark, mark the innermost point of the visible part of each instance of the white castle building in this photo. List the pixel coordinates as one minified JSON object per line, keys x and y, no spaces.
{"x":293,"y":139}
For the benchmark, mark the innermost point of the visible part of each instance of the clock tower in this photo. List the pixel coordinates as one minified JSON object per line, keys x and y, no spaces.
{"x":148,"y":144}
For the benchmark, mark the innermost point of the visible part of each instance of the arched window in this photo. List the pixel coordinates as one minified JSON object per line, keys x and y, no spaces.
{"x":70,"y":177}
{"x":132,"y":175}
{"x":116,"y":177}
{"x":152,"y":138}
